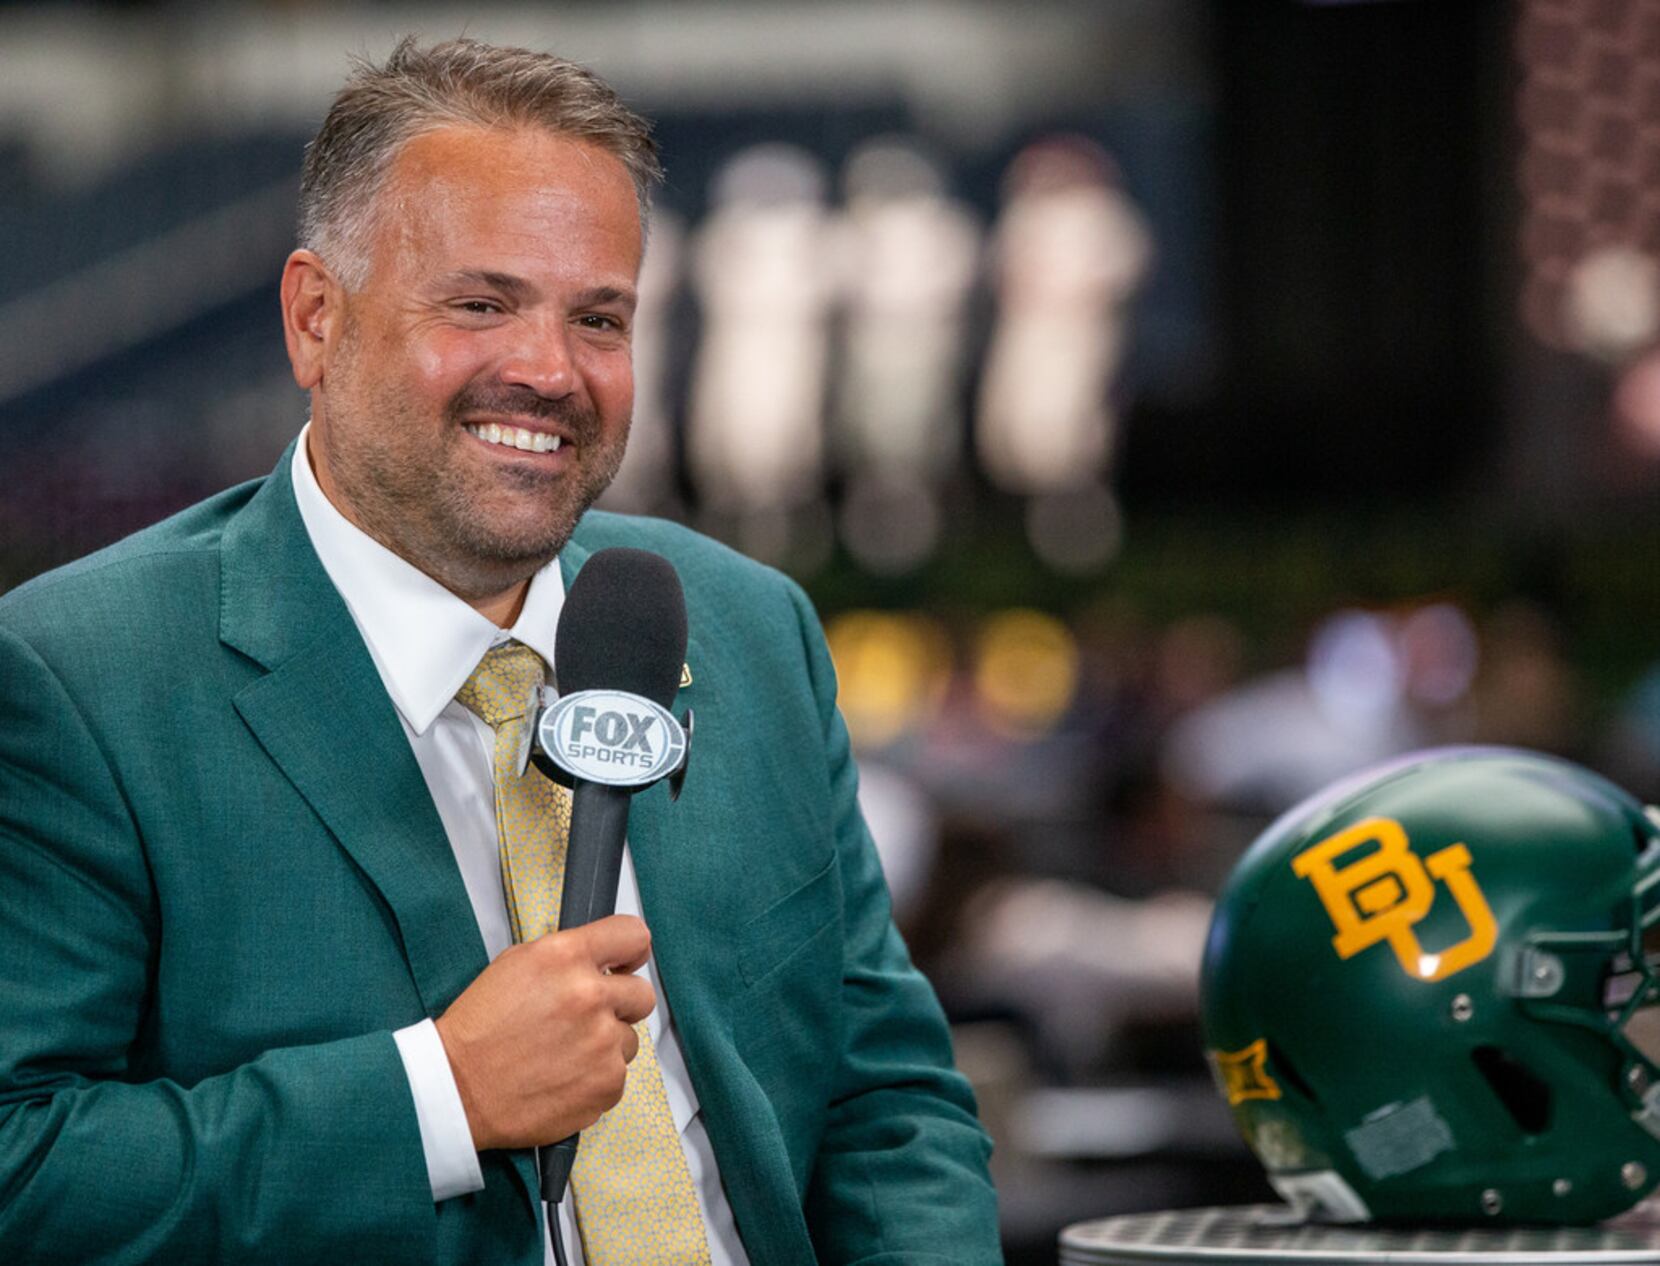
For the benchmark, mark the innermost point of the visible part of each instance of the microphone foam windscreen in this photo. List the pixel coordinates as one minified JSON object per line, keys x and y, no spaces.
{"x":623,"y":627}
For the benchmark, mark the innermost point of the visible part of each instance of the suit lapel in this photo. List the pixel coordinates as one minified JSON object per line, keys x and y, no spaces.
{"x":323,"y":716}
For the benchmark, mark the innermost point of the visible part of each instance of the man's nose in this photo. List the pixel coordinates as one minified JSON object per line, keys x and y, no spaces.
{"x":541,"y":360}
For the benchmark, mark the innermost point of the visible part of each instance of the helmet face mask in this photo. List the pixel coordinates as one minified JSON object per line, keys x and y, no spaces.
{"x":1429,"y":994}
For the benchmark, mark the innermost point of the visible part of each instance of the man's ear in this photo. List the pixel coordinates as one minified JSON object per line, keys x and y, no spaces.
{"x":312,"y":313}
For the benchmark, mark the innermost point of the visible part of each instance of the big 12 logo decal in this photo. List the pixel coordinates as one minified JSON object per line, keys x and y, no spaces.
{"x":1381,"y":894}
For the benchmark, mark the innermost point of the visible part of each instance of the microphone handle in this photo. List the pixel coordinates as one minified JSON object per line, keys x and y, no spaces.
{"x":593,"y":867}
{"x":593,"y":858}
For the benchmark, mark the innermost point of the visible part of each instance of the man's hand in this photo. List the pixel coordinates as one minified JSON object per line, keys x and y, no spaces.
{"x":540,"y":1041}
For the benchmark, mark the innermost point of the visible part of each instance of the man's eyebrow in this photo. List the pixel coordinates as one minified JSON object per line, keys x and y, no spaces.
{"x":505,"y":283}
{"x":602,"y":295}
{"x":518,"y":288}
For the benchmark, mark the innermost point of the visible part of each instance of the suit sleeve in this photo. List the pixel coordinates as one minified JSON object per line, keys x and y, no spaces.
{"x":901,"y":1173}
{"x":308,"y":1153}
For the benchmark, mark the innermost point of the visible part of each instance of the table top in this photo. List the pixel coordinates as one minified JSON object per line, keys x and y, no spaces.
{"x":1254,"y":1235}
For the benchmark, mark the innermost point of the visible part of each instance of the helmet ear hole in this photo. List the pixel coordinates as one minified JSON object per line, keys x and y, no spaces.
{"x":1643,"y":835}
{"x":1525,"y":1096}
{"x":1287,"y":1072}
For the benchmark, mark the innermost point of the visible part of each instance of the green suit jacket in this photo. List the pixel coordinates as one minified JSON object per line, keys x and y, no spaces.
{"x":223,"y":885}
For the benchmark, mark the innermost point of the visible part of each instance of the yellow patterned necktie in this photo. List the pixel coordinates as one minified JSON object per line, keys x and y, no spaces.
{"x":635,"y":1200}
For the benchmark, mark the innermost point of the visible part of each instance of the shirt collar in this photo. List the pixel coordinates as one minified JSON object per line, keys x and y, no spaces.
{"x":388,"y":597}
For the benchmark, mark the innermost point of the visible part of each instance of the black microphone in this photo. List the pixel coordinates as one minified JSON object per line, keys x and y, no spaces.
{"x":617,"y":661}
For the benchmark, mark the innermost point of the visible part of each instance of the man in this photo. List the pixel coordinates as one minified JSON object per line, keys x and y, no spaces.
{"x":262,"y":869}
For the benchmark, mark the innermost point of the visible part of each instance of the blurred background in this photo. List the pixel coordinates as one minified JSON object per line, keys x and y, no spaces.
{"x":1171,"y":405}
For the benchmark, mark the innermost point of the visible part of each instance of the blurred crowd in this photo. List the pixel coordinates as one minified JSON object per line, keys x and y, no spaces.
{"x":1022,"y":759}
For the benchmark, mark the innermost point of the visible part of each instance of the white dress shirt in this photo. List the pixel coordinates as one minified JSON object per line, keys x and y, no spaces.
{"x":426,"y":642}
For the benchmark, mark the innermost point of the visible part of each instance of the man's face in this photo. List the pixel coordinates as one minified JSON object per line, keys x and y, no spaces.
{"x":478,"y":398}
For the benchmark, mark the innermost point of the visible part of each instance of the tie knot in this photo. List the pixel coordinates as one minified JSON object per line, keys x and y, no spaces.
{"x":499,"y":689}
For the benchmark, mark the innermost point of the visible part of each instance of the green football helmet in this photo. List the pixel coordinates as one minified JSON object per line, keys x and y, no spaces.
{"x":1426,"y":995}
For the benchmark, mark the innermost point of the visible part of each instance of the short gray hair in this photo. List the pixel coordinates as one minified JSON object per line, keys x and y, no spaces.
{"x":463,"y":82}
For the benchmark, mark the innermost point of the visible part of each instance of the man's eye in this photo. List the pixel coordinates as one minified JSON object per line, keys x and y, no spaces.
{"x":479,"y":307}
{"x":599,"y":321}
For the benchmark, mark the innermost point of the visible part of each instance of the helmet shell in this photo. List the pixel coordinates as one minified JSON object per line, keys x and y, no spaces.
{"x":1405,"y":993}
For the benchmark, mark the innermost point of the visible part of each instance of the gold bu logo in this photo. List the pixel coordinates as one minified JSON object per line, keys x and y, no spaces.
{"x":1384,"y":892}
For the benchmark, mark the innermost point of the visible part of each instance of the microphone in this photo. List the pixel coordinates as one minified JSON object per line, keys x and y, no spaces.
{"x":617,"y":659}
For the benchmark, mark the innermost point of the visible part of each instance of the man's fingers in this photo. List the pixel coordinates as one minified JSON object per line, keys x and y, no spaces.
{"x":632,"y":998}
{"x":619,"y":942}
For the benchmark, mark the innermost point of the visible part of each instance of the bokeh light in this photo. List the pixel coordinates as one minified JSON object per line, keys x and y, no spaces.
{"x":1025,"y":671}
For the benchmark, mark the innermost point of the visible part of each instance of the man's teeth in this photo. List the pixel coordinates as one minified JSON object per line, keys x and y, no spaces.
{"x":518,"y":437}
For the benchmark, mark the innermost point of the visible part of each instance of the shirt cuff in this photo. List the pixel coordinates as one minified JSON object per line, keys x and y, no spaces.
{"x":446,"y":1138}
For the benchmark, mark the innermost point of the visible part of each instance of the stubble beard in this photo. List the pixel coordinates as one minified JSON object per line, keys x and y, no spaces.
{"x":419,"y":495}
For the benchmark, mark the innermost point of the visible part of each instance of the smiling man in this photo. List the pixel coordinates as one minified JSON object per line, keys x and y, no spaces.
{"x":283,"y":984}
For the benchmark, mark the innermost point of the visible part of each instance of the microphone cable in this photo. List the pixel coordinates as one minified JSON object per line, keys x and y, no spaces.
{"x":553,"y":1233}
